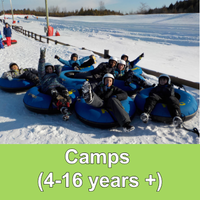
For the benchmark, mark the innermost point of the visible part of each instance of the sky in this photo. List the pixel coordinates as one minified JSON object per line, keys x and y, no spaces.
{"x":125,"y":6}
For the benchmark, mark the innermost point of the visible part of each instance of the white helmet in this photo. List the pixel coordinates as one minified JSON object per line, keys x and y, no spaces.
{"x":48,"y":64}
{"x":122,"y":62}
{"x":113,"y":58}
{"x":108,"y":75}
{"x":166,"y":76}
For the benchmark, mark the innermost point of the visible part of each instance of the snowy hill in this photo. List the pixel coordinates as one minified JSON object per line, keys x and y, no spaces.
{"x":170,"y":44}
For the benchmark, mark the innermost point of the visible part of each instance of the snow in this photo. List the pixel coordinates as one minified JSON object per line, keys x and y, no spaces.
{"x":170,"y":44}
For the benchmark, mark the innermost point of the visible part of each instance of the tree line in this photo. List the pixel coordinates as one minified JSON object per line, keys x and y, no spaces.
{"x":186,"y":6}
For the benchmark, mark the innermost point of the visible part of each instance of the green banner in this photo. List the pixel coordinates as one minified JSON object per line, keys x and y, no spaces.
{"x":99,"y":172}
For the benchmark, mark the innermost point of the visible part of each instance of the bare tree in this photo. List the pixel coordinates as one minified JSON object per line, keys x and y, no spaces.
{"x":143,"y":8}
{"x":101,"y":6}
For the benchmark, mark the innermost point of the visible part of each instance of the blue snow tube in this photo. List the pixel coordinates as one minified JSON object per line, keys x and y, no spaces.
{"x":84,"y":69}
{"x":131,"y":88}
{"x":137,"y":70}
{"x":69,"y":81}
{"x":16,"y":85}
{"x":39,"y":102}
{"x":188,"y":105}
{"x":100,"y":117}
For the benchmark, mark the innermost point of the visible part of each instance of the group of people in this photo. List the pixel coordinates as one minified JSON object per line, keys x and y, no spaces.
{"x":7,"y":33}
{"x":99,"y":90}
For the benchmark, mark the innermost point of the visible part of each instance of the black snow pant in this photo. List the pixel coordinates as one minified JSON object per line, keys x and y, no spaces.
{"x":31,"y":76}
{"x":115,"y":105}
{"x":171,"y":101}
{"x":87,"y":63}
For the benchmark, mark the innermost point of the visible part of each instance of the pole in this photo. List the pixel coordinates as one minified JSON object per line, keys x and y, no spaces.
{"x":11,"y":10}
{"x":3,"y":9}
{"x":47,"y":16}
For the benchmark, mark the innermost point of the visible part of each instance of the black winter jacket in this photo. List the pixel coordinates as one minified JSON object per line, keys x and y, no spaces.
{"x":113,"y":91}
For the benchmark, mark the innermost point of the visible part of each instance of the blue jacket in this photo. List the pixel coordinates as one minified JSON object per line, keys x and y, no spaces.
{"x":49,"y":81}
{"x":71,"y":62}
{"x":130,"y":65}
{"x":118,"y":73}
{"x":7,"y":32}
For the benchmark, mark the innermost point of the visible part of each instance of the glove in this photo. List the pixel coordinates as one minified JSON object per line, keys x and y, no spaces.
{"x":42,"y":53}
{"x":142,"y":55}
{"x":75,"y":66}
{"x":10,"y":78}
{"x":56,"y":57}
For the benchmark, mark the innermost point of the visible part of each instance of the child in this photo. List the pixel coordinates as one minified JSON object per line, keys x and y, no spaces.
{"x":29,"y":74}
{"x":1,"y":44}
{"x":129,"y":77}
{"x":96,"y":75}
{"x":107,"y":95}
{"x":7,"y":33}
{"x":130,"y":65}
{"x":77,"y":64}
{"x":50,"y":84}
{"x":163,"y":92}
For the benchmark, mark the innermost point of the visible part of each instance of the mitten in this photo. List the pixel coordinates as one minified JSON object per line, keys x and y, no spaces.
{"x":56,"y":57}
{"x":42,"y":53}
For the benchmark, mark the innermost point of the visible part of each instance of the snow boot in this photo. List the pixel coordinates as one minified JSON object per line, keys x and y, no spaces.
{"x":66,"y":114}
{"x":177,"y":121}
{"x":144,"y":117}
{"x":87,"y":92}
{"x":127,"y":127}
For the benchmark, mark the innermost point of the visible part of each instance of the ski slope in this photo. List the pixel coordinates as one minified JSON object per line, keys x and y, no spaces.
{"x":170,"y":44}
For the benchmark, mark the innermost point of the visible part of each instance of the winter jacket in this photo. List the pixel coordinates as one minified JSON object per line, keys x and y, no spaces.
{"x":71,"y":62}
{"x":49,"y":81}
{"x":101,"y":70}
{"x":19,"y":73}
{"x":163,"y":91}
{"x":105,"y":93}
{"x":1,"y":44}
{"x":130,"y":65}
{"x":7,"y":32}
{"x":118,"y":73}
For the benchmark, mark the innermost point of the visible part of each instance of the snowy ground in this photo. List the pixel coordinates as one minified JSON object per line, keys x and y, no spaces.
{"x":170,"y":44}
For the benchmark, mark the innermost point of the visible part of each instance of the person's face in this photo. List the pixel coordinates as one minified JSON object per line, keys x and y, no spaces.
{"x":125,"y":58}
{"x":15,"y":68}
{"x":6,"y":25}
{"x":108,"y":81}
{"x":163,"y":80}
{"x":74,"y":58}
{"x":120,"y":66}
{"x":112,"y":63}
{"x":49,"y":70}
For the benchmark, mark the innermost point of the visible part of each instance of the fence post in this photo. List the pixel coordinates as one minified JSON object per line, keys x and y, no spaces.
{"x":40,"y":38}
{"x":35,"y":37}
{"x":32,"y":34}
{"x":106,"y":53}
{"x":56,"y":42}
{"x":28,"y":34}
{"x":47,"y":40}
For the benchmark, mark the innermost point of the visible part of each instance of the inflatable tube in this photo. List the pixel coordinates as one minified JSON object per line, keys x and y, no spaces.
{"x":130,"y":89}
{"x":99,"y":117}
{"x":137,"y":70}
{"x":84,"y":69}
{"x":12,"y":42}
{"x":16,"y":85}
{"x":39,"y":102}
{"x":188,"y":106}
{"x":69,"y":81}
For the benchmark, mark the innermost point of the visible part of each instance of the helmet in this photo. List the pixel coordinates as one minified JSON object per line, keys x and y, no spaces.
{"x":113,"y":58}
{"x":166,"y":76}
{"x":49,"y":64}
{"x":108,"y":75}
{"x":74,"y":55}
{"x":124,"y":55}
{"x":122,"y":62}
{"x":11,"y":64}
